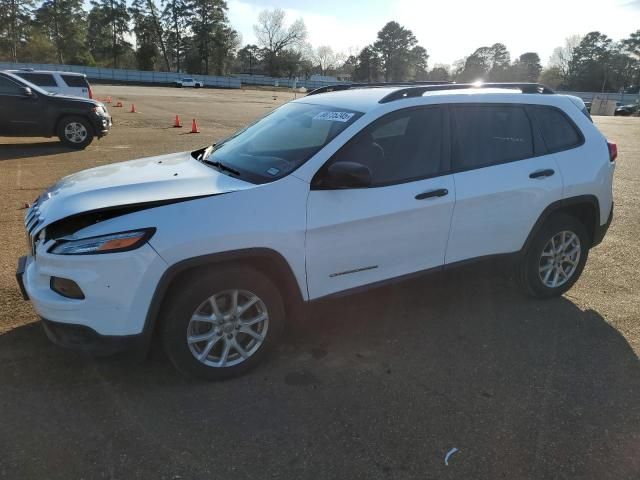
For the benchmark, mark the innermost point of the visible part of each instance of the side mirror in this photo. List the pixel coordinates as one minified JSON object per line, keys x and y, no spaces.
{"x":26,"y":92}
{"x":347,"y":175}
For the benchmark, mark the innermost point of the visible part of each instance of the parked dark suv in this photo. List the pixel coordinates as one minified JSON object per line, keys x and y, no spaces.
{"x":26,"y":110}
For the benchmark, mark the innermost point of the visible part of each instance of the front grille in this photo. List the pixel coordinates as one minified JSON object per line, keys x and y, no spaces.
{"x":32,"y":221}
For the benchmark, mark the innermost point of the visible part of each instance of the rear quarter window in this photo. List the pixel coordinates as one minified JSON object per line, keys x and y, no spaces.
{"x":558,"y":132}
{"x":40,"y":79}
{"x":75,"y":81}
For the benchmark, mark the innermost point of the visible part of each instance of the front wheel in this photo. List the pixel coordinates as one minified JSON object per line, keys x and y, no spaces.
{"x":221,"y":324}
{"x":556,"y":257}
{"x":75,"y":132}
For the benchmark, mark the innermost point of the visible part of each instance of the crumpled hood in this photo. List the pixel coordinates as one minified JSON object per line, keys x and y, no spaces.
{"x":152,"y":179}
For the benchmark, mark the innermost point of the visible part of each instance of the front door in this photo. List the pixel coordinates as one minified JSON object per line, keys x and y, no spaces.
{"x":400,"y":224}
{"x":20,"y":115}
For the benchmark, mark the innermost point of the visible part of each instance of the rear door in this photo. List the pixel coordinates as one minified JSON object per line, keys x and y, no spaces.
{"x":397,"y":226}
{"x":504,"y":179}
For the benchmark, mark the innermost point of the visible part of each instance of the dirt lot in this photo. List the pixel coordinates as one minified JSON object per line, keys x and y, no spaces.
{"x":379,"y":385}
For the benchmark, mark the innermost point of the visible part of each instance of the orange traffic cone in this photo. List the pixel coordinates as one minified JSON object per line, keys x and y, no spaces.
{"x":177,"y":123}
{"x":194,"y":127}
{"x":133,"y":109}
{"x":119,"y":104}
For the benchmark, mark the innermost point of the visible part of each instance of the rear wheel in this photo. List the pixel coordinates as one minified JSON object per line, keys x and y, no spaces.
{"x":221,"y":324}
{"x":556,"y":257}
{"x":75,"y":132}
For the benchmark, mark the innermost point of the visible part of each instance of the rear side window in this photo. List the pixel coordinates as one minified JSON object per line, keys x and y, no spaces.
{"x":490,"y":134}
{"x":75,"y":81}
{"x":40,"y":79}
{"x":558,"y":132}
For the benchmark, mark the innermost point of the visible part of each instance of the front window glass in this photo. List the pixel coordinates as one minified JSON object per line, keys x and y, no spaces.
{"x":400,"y":147}
{"x":21,"y":82}
{"x":7,"y":87}
{"x":280,"y":142}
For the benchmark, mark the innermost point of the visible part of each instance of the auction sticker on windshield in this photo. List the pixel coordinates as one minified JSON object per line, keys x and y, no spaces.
{"x":334,"y":116}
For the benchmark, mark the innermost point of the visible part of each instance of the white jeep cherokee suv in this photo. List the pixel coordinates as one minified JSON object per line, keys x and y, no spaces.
{"x":214,"y":249}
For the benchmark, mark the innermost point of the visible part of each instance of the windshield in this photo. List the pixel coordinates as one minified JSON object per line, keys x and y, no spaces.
{"x":280,"y":142}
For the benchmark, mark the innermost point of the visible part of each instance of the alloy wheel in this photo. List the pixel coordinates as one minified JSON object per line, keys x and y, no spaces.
{"x":559,"y":259}
{"x":75,"y":132}
{"x":227,"y":328}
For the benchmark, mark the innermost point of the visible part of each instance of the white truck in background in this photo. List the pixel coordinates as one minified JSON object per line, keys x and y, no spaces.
{"x":188,"y":82}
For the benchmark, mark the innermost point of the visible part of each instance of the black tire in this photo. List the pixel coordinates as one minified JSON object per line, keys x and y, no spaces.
{"x":197,"y":85}
{"x":85,"y":133}
{"x":529,"y":274}
{"x":185,"y":301}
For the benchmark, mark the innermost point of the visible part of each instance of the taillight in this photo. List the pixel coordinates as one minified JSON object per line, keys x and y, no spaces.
{"x":90,"y":93}
{"x":613,"y":151}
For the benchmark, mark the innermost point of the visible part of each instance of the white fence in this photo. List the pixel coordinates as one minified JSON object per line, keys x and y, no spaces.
{"x":284,"y":82}
{"x":624,"y":98}
{"x":122,"y":75}
{"x":236,"y":81}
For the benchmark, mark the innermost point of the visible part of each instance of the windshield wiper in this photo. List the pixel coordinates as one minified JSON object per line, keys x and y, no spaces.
{"x":221,"y":166}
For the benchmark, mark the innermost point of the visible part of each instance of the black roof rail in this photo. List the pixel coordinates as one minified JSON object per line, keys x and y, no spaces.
{"x":346,"y":86}
{"x":411,"y":92}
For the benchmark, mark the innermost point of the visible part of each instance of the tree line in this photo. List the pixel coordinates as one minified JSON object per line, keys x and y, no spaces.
{"x":180,"y":35}
{"x":595,"y":63}
{"x":195,"y":36}
{"x":590,"y":63}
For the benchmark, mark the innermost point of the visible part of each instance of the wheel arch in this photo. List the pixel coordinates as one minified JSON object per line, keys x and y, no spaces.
{"x":267,"y":261}
{"x":585,"y":208}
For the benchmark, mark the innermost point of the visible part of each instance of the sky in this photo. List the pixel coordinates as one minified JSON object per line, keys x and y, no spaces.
{"x":449,"y":30}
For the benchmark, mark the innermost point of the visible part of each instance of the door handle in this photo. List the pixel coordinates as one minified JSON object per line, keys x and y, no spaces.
{"x":441,"y":192}
{"x":542,"y":173}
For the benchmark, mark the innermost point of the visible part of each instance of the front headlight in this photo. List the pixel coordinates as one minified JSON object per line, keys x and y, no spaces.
{"x":115,"y":242}
{"x":100,"y":110}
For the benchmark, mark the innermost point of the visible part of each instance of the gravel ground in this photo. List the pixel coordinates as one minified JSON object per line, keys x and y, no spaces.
{"x":378,"y":385}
